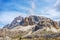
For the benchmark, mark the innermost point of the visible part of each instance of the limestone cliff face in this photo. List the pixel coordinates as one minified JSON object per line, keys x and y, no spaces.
{"x":31,"y":20}
{"x":31,"y":25}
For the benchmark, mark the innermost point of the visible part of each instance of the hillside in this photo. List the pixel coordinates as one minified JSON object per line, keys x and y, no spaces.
{"x":31,"y":26}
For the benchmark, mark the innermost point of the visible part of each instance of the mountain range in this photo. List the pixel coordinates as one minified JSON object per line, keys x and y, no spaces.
{"x":31,"y":26}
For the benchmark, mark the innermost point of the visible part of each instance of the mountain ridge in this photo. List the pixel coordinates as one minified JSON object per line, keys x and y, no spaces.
{"x":31,"y":20}
{"x":32,"y":25}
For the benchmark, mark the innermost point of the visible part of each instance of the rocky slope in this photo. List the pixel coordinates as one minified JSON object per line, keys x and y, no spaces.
{"x":31,"y":20}
{"x":32,"y":25}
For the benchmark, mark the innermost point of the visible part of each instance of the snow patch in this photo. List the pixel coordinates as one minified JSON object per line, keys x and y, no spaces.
{"x":18,"y":20}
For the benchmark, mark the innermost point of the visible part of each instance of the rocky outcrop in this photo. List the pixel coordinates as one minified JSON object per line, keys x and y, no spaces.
{"x":31,"y":20}
{"x":41,"y":25}
{"x":14,"y":23}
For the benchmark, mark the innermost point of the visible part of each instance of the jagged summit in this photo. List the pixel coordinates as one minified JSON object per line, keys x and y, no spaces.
{"x":32,"y":25}
{"x":31,"y":20}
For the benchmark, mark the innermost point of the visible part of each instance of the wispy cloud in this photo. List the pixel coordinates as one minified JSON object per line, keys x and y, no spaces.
{"x":9,"y":9}
{"x":57,"y":5}
{"x":7,"y":17}
{"x":50,"y":10}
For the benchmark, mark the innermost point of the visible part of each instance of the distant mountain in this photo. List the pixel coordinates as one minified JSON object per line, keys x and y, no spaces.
{"x":14,"y":23}
{"x":31,"y":20}
{"x":32,"y":25}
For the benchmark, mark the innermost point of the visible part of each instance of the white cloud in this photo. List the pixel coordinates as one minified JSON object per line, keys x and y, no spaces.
{"x":7,"y":17}
{"x":33,"y":6}
{"x":57,"y":3}
{"x":50,"y":13}
{"x":46,"y":11}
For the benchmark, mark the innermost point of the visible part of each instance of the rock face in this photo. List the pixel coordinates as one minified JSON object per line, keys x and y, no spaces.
{"x":31,"y":20}
{"x":14,"y":23}
{"x":46,"y":23}
{"x":40,"y":24}
{"x":58,"y":23}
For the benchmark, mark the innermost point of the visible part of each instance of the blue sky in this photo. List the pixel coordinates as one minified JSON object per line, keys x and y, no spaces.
{"x":9,"y":9}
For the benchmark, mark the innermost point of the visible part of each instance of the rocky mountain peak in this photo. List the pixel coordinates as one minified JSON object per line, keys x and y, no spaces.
{"x":32,"y":25}
{"x":32,"y":20}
